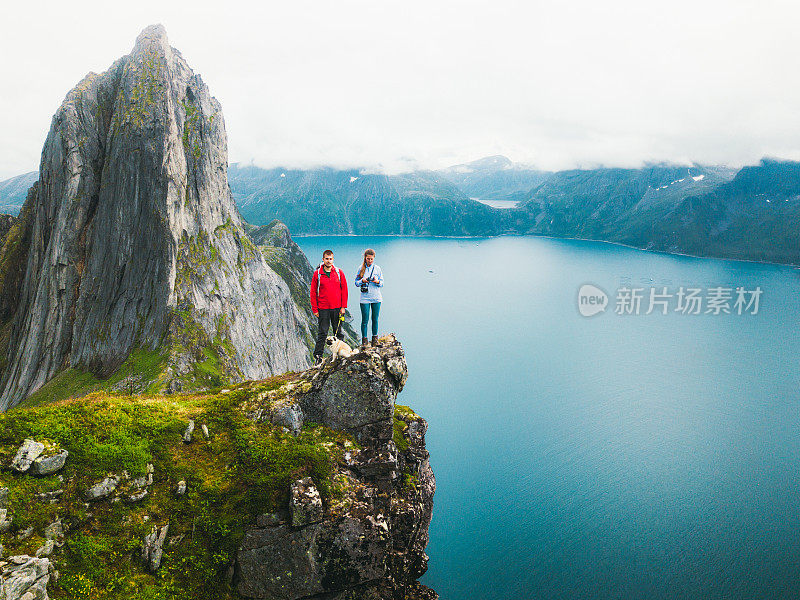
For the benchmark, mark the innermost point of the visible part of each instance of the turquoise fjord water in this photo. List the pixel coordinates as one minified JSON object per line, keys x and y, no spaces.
{"x":615,"y":456}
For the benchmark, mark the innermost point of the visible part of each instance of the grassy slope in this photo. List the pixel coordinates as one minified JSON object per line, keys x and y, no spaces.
{"x":243,"y":470}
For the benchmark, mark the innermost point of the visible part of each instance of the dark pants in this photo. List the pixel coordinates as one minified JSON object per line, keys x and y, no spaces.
{"x":327,"y":317}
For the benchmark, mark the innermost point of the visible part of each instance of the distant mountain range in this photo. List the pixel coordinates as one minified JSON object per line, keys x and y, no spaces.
{"x":13,"y":192}
{"x":751,"y":214}
{"x":495,"y":178}
{"x":329,"y":201}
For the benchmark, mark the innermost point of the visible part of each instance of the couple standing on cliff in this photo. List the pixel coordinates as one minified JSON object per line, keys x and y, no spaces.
{"x":329,"y":298}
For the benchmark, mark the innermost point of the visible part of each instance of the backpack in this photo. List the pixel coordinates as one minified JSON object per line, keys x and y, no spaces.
{"x":319,"y":280}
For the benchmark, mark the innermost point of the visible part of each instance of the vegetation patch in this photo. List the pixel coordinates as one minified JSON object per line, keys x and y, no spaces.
{"x":403,"y":415}
{"x":244,"y":469}
{"x":136,"y":109}
{"x":191,"y":129}
{"x":143,"y":370}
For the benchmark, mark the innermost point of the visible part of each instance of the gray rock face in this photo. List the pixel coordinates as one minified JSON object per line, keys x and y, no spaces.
{"x":3,"y":496}
{"x":188,"y":435}
{"x":5,"y":520}
{"x":27,"y":453}
{"x":47,"y":465}
{"x":370,"y":544}
{"x":24,"y":578}
{"x":282,"y":563}
{"x":103,"y":489}
{"x":133,"y":234}
{"x":358,"y":394}
{"x":153,"y":547}
{"x":305,"y":503}
{"x":287,"y":414}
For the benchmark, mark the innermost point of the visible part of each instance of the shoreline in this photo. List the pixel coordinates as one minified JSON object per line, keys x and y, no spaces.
{"x":552,"y":237}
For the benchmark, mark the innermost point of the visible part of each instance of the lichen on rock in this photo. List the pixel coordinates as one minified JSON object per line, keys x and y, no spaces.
{"x":384,"y":495}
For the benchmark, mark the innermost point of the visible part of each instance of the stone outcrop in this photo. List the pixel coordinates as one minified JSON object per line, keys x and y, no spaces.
{"x":344,"y":514}
{"x":131,"y":240}
{"x":153,"y":547}
{"x":358,"y":396}
{"x":49,"y":464}
{"x":28,"y":452}
{"x":305,"y":503}
{"x":370,"y":542}
{"x":24,"y":578}
{"x":103,"y":489}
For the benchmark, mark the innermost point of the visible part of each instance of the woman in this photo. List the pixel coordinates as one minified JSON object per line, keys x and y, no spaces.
{"x":370,"y":279}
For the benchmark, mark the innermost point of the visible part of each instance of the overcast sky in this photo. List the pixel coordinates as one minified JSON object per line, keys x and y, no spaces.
{"x":399,"y":85}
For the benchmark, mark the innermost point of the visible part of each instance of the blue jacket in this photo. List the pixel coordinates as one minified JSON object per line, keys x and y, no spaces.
{"x":374,"y":293}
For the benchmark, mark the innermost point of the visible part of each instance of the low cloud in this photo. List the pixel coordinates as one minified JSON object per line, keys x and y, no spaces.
{"x":391,"y":86}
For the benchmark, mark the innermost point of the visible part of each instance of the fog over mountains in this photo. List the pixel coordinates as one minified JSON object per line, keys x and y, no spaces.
{"x":751,"y":213}
{"x":495,"y":178}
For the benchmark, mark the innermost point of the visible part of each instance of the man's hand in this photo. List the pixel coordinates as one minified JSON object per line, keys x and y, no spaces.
{"x":316,"y":314}
{"x":342,"y":310}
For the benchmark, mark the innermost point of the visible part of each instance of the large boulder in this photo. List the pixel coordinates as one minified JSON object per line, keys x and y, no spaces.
{"x":47,"y":465}
{"x":28,"y":452}
{"x":357,"y":394}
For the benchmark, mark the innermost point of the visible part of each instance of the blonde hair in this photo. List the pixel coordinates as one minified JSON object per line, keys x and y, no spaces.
{"x":367,"y":252}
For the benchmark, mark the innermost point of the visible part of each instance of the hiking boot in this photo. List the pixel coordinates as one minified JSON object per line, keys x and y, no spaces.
{"x":374,"y":340}
{"x":317,"y":361}
{"x":364,"y":343}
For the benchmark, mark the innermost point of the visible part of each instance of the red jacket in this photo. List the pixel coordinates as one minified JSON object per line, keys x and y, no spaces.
{"x":328,"y":291}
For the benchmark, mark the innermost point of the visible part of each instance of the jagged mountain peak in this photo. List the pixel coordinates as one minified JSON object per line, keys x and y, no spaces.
{"x":136,"y":243}
{"x":150,"y":36}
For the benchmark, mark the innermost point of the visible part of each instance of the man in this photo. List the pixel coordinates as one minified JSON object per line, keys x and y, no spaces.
{"x":328,"y":301}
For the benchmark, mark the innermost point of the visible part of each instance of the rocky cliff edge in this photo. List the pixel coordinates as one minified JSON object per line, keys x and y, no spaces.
{"x":306,"y":485}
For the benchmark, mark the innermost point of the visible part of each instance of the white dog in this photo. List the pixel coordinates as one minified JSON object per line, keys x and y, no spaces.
{"x":339,"y":348}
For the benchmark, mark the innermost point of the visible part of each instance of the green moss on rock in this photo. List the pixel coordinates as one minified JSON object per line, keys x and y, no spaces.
{"x":243,"y":470}
{"x":403,"y":415}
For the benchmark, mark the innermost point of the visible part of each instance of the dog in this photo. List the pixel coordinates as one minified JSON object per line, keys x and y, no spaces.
{"x":339,"y":348}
